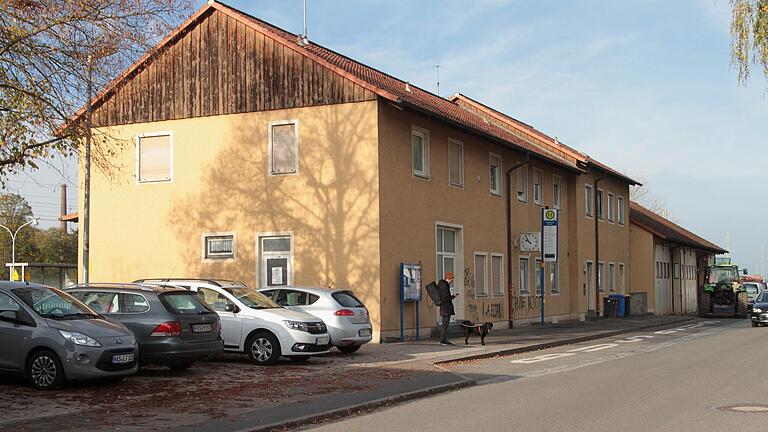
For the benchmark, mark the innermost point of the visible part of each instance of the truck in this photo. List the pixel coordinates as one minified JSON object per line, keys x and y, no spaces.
{"x":723,"y":293}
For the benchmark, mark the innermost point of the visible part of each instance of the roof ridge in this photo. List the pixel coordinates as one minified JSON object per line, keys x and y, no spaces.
{"x":661,"y":219}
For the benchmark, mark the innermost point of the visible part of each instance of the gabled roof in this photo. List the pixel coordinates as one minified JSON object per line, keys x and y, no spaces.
{"x":386,"y":86}
{"x":540,"y":137}
{"x":668,"y":230}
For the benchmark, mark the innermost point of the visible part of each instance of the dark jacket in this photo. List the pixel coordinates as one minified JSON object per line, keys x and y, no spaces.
{"x":446,"y":298}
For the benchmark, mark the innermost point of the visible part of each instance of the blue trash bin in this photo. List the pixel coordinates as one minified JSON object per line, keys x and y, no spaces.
{"x":620,"y":304}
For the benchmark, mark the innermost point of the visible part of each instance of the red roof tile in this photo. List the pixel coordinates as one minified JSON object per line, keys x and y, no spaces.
{"x":668,"y":230}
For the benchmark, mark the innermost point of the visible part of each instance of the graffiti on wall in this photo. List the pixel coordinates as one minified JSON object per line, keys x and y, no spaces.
{"x":523,"y":303}
{"x":469,"y":283}
{"x":480,"y":310}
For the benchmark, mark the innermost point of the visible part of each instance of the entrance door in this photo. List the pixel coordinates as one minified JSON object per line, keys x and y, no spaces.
{"x":448,"y":242}
{"x":590,"y":286}
{"x":276,"y":256}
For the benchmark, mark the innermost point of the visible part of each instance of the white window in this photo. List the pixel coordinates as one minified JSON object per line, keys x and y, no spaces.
{"x":601,"y":276}
{"x":497,"y":275}
{"x":610,"y":207}
{"x":621,"y":278}
{"x":455,"y":163}
{"x":611,"y":277}
{"x":420,"y":152}
{"x":620,"y":210}
{"x":539,"y":272}
{"x":599,"y":204}
{"x":481,"y":274}
{"x":522,"y":184}
{"x":524,"y":287}
{"x":557,"y":186}
{"x":218,"y":246}
{"x":284,"y":147}
{"x":538,"y":178}
{"x":554,"y":286}
{"x":154,"y":157}
{"x":446,"y":239}
{"x":588,"y":202}
{"x":494,"y":168}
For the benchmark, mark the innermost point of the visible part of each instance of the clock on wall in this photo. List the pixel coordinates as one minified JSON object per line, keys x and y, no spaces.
{"x":529,"y":242}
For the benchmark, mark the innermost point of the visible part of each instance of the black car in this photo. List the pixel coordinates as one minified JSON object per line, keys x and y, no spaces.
{"x":760,"y":310}
{"x":171,"y":325}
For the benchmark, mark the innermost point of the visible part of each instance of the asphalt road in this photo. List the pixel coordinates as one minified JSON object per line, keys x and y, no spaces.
{"x":678,"y":379}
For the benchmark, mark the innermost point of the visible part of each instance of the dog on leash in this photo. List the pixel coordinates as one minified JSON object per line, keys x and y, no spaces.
{"x":471,"y":328}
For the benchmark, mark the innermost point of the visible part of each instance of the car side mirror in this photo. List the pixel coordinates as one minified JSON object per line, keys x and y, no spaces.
{"x":231,"y":308}
{"x":746,"y":271}
{"x":7,"y":315}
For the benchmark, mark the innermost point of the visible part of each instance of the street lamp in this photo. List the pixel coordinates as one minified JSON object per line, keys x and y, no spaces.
{"x":33,"y":222}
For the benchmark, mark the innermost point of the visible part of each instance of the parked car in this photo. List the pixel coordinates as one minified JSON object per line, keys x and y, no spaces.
{"x":759,"y":313}
{"x":753,"y":289}
{"x":50,"y":337}
{"x":252,"y":323}
{"x":173,"y":326}
{"x":349,"y":324}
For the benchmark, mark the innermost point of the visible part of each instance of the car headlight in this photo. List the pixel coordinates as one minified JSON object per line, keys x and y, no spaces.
{"x":80,"y":339}
{"x":757,"y":310}
{"x":296,"y":325}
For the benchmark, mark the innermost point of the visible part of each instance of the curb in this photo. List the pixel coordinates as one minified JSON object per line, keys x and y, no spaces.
{"x":364,"y":406}
{"x":554,"y":344}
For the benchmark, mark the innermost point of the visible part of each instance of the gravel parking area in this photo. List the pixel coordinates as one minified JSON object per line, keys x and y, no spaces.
{"x":158,"y":398}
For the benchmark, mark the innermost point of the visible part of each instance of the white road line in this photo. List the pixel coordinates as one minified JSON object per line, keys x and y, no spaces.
{"x":541,"y":358}
{"x":593,"y":348}
{"x":637,"y":338}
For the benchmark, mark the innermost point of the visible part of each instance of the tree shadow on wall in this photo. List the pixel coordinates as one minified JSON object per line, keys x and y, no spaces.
{"x":330,"y":206}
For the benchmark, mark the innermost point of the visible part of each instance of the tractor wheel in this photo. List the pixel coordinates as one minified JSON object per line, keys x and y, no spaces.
{"x":741,"y":304}
{"x":706,"y":303}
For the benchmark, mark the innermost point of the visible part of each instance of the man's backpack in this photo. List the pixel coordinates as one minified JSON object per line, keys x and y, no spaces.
{"x":434,"y":293}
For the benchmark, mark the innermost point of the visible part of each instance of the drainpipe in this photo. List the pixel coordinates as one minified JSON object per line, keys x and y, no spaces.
{"x":597,"y":248}
{"x":509,"y":232}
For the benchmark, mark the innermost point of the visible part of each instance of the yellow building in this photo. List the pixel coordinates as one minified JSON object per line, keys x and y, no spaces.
{"x":242,"y":152}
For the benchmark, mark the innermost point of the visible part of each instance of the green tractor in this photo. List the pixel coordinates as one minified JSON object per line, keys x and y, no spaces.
{"x":722,"y":293}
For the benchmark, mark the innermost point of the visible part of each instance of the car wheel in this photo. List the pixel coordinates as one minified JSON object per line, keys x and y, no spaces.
{"x":45,"y":371}
{"x":180,"y":366}
{"x":349,"y":349}
{"x":263,"y":348}
{"x":755,"y":324}
{"x":299,"y":359}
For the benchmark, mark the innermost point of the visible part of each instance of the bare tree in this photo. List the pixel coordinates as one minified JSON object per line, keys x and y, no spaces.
{"x":643,"y":195}
{"x":52,"y":53}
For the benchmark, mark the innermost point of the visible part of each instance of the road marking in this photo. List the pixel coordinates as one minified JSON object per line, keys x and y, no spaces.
{"x":541,"y":358}
{"x":593,"y":348}
{"x":637,"y":338}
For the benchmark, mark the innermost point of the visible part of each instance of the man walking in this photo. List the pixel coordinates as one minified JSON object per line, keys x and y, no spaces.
{"x":446,"y":306}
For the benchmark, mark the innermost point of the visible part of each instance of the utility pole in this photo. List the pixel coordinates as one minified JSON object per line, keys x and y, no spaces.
{"x":87,"y":187}
{"x":63,"y":209}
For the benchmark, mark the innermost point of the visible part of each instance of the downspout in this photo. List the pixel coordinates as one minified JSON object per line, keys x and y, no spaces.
{"x":509,"y":232}
{"x":597,"y":248}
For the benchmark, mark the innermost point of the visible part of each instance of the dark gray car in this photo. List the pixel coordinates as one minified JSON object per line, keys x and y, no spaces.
{"x":51,"y":337}
{"x":172,"y":326}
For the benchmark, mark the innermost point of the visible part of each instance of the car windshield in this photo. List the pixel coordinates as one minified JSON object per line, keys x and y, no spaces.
{"x":252,"y":298}
{"x":53,"y":303}
{"x":751,"y":288}
{"x":722,"y":274}
{"x":763,"y":297}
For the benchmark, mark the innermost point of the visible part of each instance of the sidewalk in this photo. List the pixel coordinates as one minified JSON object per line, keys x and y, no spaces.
{"x":427,"y":356}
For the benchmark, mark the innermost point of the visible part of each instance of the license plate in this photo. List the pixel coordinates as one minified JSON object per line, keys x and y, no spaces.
{"x":365,"y":332}
{"x":322,"y":340}
{"x":201,"y":328}
{"x":122,"y":358}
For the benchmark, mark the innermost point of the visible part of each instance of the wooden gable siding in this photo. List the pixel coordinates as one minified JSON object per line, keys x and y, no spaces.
{"x":221,"y":66}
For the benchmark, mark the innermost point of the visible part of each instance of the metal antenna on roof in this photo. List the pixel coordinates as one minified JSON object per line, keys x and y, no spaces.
{"x":304,"y":37}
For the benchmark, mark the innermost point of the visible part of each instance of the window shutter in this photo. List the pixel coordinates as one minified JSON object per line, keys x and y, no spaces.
{"x":155,"y":158}
{"x":284,"y":158}
{"x":496,"y":275}
{"x":480,"y":287}
{"x":454,"y":164}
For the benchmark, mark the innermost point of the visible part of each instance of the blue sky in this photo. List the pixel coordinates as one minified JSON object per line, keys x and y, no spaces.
{"x":644,"y":86}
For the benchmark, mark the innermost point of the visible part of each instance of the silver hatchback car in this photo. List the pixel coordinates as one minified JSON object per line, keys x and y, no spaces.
{"x":349,"y":324}
{"x":50,"y":337}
